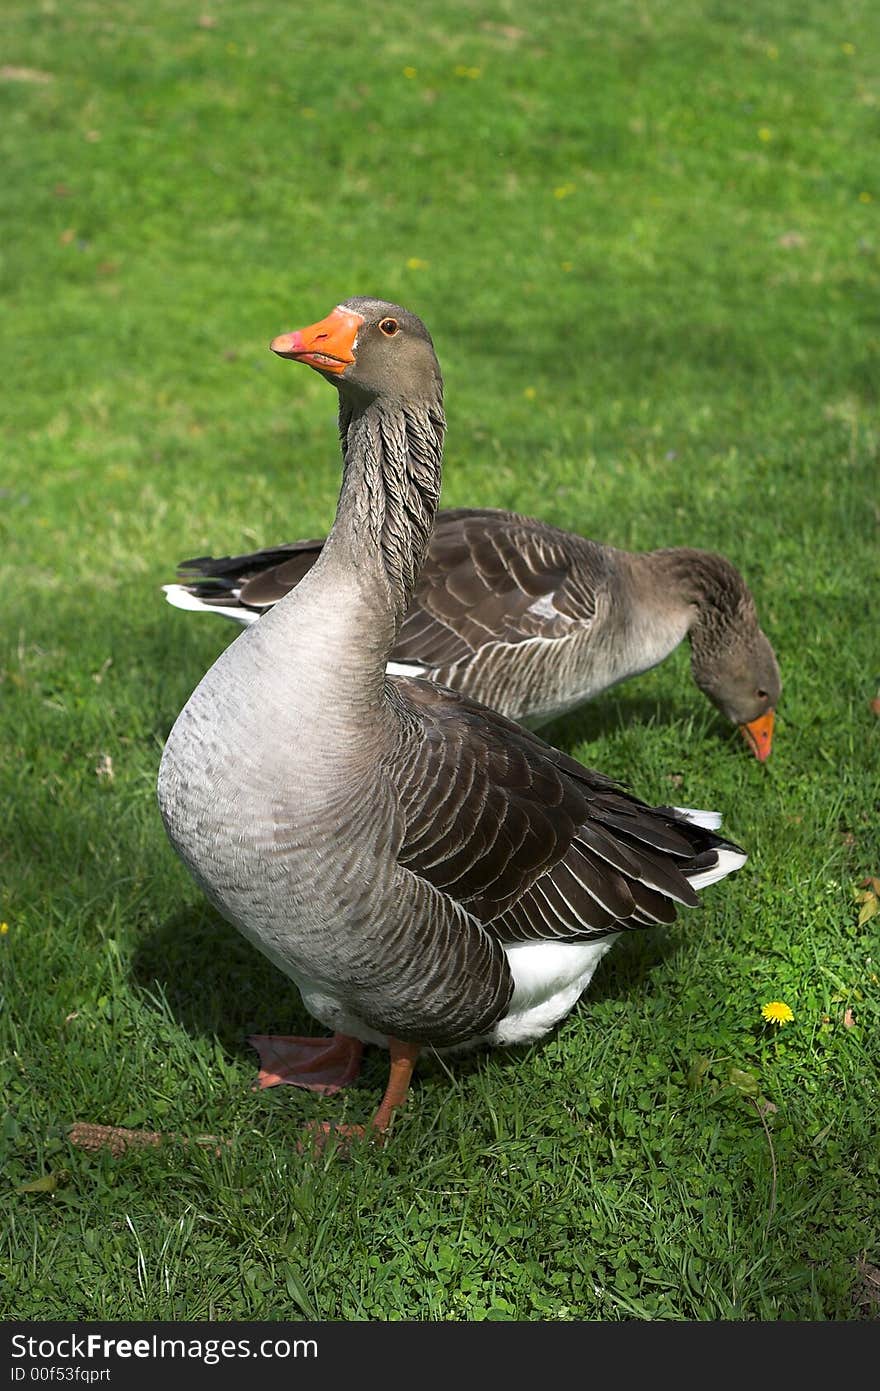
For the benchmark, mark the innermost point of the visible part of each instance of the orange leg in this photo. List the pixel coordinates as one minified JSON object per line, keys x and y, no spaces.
{"x":403,"y":1060}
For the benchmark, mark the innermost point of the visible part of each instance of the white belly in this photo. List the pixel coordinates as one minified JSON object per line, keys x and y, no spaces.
{"x":549,"y":979}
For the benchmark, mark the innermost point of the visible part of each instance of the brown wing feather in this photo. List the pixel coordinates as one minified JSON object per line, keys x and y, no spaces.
{"x":528,"y":841}
{"x":254,"y":581}
{"x":485,"y":574}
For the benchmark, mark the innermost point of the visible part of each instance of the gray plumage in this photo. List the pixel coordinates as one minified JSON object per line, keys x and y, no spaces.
{"x":412,"y":859}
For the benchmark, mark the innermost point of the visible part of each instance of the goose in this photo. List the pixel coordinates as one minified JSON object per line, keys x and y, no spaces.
{"x":429,"y":873}
{"x":535,"y":621}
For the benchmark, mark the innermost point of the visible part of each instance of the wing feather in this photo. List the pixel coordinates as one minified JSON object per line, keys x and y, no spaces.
{"x":529,"y":842}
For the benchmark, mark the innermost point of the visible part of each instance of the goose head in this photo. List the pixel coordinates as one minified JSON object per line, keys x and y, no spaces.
{"x":742,"y":680}
{"x":368,"y":348}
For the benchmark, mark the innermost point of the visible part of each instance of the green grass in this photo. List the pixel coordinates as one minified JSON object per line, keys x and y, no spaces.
{"x":646,"y":241}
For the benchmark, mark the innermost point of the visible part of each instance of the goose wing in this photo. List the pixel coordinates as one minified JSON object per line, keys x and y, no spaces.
{"x":489,"y":577}
{"x":495,"y":577}
{"x":529,"y":842}
{"x":253,"y":581}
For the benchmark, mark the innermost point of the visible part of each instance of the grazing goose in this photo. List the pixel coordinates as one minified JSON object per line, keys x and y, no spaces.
{"x":425,"y":870}
{"x":534,"y":621}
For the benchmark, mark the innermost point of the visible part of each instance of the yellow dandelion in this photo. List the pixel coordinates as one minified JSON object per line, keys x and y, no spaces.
{"x":4,"y":928}
{"x":530,"y":393}
{"x":463,"y":71}
{"x":765,"y":134}
{"x":865,"y":198}
{"x":772,"y":52}
{"x":308,"y":112}
{"x":777,"y":1012}
{"x":410,"y":72}
{"x":563,"y":191}
{"x":848,"y":48}
{"x":568,"y":265}
{"x":416,"y":263}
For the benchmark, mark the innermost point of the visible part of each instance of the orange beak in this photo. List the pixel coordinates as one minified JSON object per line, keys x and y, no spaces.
{"x":758,"y":734}
{"x":327,"y":346}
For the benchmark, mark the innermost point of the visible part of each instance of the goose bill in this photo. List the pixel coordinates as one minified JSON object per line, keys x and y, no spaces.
{"x":758,"y":734}
{"x":328,"y":345}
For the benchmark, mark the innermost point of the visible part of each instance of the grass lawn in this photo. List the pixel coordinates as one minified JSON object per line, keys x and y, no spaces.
{"x":645,"y":239}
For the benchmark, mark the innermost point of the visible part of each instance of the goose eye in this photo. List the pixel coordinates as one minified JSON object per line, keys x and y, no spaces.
{"x":389,"y":327}
{"x":762,"y":695}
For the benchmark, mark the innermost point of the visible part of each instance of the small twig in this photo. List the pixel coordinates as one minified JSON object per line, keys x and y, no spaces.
{"x":870,"y":1274}
{"x":772,"y":1162}
{"x":118,"y":1138}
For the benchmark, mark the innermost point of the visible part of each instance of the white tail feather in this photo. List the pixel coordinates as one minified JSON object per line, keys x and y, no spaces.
{"x":709,"y":820}
{"x":728,"y":861}
{"x":180,"y":598}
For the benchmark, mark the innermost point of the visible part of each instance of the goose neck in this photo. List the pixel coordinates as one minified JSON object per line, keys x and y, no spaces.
{"x":390,"y":488}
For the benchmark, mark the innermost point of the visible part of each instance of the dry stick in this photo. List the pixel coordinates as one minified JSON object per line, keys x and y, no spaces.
{"x":118,"y":1138}
{"x":773,"y":1163}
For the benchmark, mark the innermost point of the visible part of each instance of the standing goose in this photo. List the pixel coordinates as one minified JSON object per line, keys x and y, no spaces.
{"x":425,"y":870}
{"x":534,"y":621}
